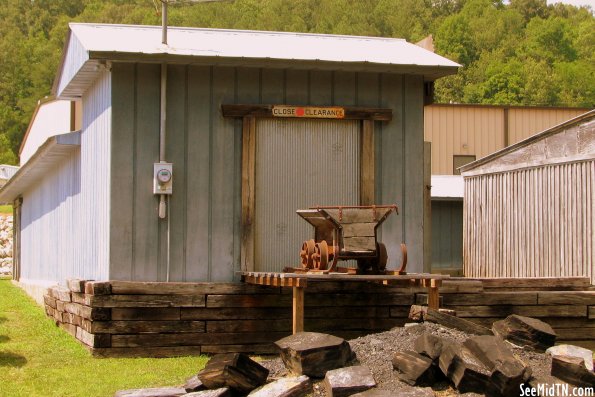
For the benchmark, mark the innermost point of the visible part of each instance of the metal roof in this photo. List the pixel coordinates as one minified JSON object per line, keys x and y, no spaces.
{"x":103,"y":42}
{"x":50,"y":153}
{"x":7,"y":171}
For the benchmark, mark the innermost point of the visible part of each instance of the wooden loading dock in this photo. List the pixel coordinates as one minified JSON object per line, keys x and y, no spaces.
{"x":299,"y":282}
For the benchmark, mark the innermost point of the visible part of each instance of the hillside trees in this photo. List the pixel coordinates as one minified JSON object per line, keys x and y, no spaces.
{"x":521,"y":52}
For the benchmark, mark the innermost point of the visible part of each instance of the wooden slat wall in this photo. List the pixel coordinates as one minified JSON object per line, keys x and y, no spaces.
{"x":536,"y":222}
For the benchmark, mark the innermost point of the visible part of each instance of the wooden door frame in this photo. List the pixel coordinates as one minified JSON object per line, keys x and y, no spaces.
{"x":249,"y":114}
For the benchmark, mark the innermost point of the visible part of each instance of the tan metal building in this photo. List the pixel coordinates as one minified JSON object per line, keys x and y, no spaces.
{"x":461,"y":134}
{"x":528,"y":209}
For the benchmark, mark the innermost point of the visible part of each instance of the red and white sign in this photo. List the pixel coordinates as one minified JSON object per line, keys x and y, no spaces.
{"x":330,"y":112}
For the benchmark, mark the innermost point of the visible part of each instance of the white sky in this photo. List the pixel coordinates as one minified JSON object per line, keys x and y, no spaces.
{"x":575,"y":2}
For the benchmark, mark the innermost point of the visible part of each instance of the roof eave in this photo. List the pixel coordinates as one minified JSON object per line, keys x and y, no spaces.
{"x":53,"y":150}
{"x":96,"y":58}
{"x":526,"y":142}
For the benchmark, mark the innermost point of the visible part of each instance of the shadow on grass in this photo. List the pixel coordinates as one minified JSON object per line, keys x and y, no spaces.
{"x":4,"y":338}
{"x":8,"y":359}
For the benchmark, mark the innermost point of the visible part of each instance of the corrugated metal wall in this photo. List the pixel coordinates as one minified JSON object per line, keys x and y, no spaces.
{"x":299,"y":164}
{"x":524,"y":122}
{"x":206,"y":151}
{"x":447,"y":236}
{"x":92,"y":254}
{"x":481,"y":130}
{"x":536,"y":222}
{"x":47,"y":233}
{"x":69,"y":207}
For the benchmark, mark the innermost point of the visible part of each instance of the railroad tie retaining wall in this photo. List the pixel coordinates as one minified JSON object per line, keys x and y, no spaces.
{"x":119,"y":318}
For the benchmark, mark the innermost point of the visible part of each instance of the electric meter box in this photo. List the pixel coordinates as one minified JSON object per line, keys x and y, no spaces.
{"x":162,"y":178}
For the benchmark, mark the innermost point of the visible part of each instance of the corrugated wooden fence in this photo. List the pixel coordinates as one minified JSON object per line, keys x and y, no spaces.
{"x":535,"y":222}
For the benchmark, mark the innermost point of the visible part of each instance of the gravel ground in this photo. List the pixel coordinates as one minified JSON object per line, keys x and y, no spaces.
{"x":375,"y":351}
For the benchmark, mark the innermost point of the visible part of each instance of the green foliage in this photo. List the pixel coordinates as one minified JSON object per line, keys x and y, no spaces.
{"x":39,"y":359}
{"x":520,"y":52}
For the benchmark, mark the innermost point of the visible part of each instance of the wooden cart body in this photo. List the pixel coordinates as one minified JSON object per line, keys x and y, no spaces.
{"x":345,"y":232}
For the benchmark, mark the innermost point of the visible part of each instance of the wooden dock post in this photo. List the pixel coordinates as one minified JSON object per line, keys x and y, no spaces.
{"x":298,"y":309}
{"x":433,"y":295}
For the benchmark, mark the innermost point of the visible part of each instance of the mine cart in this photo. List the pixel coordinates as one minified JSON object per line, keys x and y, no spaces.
{"x":343,"y":233}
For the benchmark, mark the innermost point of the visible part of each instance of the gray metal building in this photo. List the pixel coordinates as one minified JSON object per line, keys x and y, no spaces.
{"x":528,"y":209}
{"x":350,"y":132}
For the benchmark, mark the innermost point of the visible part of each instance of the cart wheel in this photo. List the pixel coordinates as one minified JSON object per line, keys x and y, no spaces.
{"x":363,"y":265}
{"x":306,"y":254}
{"x":320,"y":256}
{"x":382,"y":257}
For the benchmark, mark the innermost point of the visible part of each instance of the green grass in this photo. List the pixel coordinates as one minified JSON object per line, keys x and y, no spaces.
{"x":39,"y":359}
{"x":6,"y":209}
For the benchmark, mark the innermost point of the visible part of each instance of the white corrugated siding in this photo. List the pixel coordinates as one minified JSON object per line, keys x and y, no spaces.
{"x":75,"y":57}
{"x":65,"y":217}
{"x":300,"y":164}
{"x":93,"y":250}
{"x":535,"y":222}
{"x":47,"y":234}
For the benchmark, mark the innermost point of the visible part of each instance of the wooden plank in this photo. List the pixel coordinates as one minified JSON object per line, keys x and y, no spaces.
{"x":491,"y":298}
{"x":134,"y":327}
{"x":367,"y":164}
{"x":591,"y":314}
{"x":337,"y":300}
{"x":162,"y":288}
{"x":566,"y":298}
{"x":98,"y":288}
{"x":262,"y":348}
{"x":351,"y":113}
{"x":158,"y":352}
{"x":535,"y":282}
{"x":93,"y":340}
{"x":82,"y":299}
{"x":147,"y":301}
{"x":359,"y":230}
{"x":529,"y":311}
{"x":195,"y":339}
{"x":232,"y":313}
{"x":76,"y":284}
{"x":147,"y":313}
{"x":433,"y":295}
{"x":248,"y":203}
{"x":284,"y":325}
{"x":450,"y":286}
{"x":369,"y":324}
{"x":575,"y":333}
{"x":298,"y":310}
{"x":343,"y":312}
{"x":60,"y":293}
{"x":248,"y":301}
{"x":91,"y":313}
{"x":399,"y":311}
{"x":49,"y":301}
{"x":359,"y":244}
{"x":70,"y":328}
{"x":358,"y":215}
